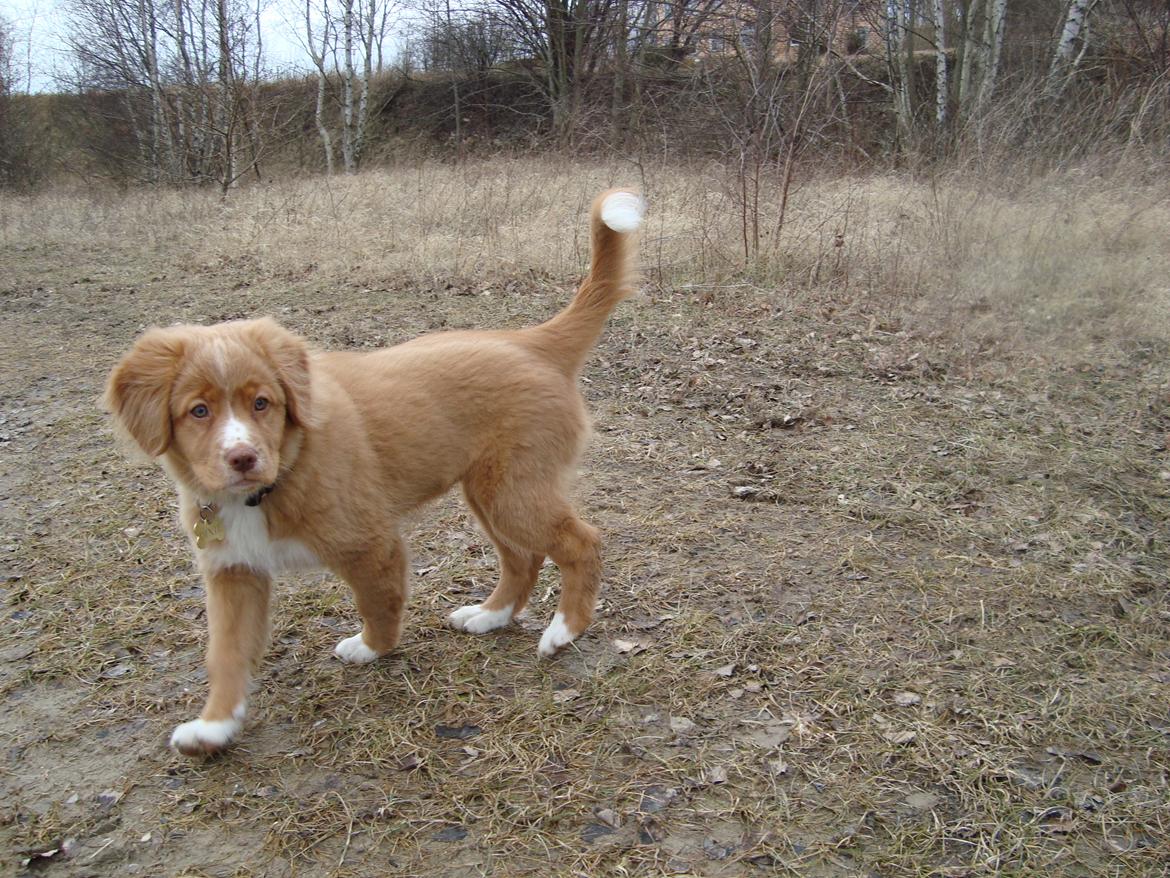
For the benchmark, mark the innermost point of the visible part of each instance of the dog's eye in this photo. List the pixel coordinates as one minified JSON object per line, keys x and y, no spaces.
{"x":200,"y":411}
{"x":260,"y":404}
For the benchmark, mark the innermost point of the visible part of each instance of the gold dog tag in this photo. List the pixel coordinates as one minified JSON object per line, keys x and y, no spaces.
{"x":209,"y":528}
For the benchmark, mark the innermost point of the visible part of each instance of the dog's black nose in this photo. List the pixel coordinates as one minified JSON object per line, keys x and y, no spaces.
{"x":241,"y":458}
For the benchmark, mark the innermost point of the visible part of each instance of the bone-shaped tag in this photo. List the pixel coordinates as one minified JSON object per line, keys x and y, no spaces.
{"x":209,"y":528}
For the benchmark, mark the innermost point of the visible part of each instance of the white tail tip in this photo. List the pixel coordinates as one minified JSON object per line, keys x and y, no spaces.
{"x":622,"y":211}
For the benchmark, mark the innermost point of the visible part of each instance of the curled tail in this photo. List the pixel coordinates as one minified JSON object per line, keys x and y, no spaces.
{"x":571,"y":334}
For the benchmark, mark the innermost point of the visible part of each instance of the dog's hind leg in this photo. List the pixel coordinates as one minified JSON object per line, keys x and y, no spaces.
{"x":575,"y":548}
{"x":237,"y":618}
{"x":529,"y":510}
{"x":377,"y":577}
{"x":518,"y":572}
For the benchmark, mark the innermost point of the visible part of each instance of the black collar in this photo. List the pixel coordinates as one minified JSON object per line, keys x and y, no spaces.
{"x":254,"y":499}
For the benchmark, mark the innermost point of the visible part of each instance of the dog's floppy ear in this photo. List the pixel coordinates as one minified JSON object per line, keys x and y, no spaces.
{"x":138,"y":392}
{"x":289,"y":353}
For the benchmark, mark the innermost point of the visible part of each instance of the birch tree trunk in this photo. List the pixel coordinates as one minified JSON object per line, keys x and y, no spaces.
{"x":161,"y":146}
{"x":897,"y":59}
{"x":186,"y":82}
{"x":322,"y":129}
{"x":997,"y":13}
{"x":322,"y":78}
{"x":457,"y":109}
{"x":617,"y":108}
{"x":1063,"y":62}
{"x":967,"y":54}
{"x":363,"y":112}
{"x":227,"y":119}
{"x":347,"y":89}
{"x":941,"y":90}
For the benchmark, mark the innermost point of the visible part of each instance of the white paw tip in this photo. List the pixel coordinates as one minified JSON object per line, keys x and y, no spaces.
{"x":622,"y":211}
{"x":556,"y":635}
{"x":205,"y":736}
{"x":354,"y":651}
{"x":474,"y":619}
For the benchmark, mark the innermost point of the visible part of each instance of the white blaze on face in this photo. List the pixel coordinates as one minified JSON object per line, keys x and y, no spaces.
{"x":235,"y":432}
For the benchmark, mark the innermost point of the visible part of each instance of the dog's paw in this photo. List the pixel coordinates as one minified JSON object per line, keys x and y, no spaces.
{"x":556,"y":635}
{"x":474,"y":619}
{"x":204,"y":737}
{"x":353,"y":651}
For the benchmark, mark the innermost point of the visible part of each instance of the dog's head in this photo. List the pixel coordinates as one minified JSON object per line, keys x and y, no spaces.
{"x":221,"y":404}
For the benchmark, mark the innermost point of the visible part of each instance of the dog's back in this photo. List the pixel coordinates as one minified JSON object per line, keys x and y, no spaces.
{"x":474,"y":396}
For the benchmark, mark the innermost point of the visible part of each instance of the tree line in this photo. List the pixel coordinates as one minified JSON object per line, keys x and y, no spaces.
{"x":178,"y":91}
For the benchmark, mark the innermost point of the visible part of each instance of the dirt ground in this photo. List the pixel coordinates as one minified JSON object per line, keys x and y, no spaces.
{"x":871,"y":608}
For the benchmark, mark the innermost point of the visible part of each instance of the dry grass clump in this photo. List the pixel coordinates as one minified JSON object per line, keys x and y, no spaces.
{"x":885,"y":542}
{"x":1075,"y":255}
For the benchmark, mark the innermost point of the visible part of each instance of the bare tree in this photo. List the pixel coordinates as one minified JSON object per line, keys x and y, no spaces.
{"x":567,"y":39}
{"x":673,"y":29}
{"x":7,"y":120}
{"x":899,"y":57}
{"x":186,"y":73}
{"x":765,"y":104}
{"x":1065,"y":56}
{"x":318,"y":51}
{"x":941,"y":92}
{"x":344,"y":40}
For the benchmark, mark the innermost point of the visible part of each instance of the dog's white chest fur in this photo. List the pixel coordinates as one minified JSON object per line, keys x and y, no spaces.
{"x":246,"y":543}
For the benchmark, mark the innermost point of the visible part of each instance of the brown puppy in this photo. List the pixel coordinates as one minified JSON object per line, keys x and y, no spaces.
{"x":286,"y":457}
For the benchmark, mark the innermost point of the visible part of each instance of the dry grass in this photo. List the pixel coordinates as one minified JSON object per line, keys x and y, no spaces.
{"x":940,"y":590}
{"x":1078,"y":254}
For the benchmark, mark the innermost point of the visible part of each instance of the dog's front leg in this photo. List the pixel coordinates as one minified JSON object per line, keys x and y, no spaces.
{"x":237,"y":618}
{"x":378,"y":580}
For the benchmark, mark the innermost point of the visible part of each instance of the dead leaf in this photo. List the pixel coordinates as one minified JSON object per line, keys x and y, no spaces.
{"x":459,"y":733}
{"x":921,"y":801}
{"x":594,"y":831}
{"x":1088,"y":756}
{"x":1057,"y":821}
{"x":770,"y":736}
{"x":609,"y":817}
{"x":633,"y":647}
{"x":716,"y":851}
{"x":901,"y":737}
{"x":17,"y":653}
{"x":36,"y":859}
{"x":656,"y":797}
{"x":451,"y":833}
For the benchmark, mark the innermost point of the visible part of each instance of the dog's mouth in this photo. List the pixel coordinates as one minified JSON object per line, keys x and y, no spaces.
{"x":246,"y":483}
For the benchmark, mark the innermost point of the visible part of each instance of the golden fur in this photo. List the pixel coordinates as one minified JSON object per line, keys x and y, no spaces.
{"x":352,"y":443}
